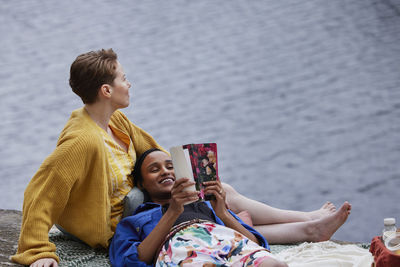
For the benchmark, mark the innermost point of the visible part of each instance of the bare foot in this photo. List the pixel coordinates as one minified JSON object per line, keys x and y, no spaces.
{"x":327,"y":209}
{"x":322,"y":229}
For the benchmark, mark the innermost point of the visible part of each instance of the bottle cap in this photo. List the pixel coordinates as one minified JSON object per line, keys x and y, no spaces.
{"x":388,"y":221}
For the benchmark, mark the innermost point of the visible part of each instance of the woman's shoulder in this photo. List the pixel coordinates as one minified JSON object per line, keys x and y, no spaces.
{"x":121,"y":122}
{"x":144,"y":214}
{"x":80,"y":130}
{"x":119,"y":116}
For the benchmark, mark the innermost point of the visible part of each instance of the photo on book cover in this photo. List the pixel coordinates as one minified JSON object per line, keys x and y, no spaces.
{"x":198,"y":162}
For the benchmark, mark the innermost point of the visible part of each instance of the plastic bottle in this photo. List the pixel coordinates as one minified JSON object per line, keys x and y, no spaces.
{"x":389,"y":229}
{"x":393,"y":243}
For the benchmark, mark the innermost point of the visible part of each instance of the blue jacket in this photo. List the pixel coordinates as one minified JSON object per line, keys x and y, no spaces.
{"x":132,"y":230}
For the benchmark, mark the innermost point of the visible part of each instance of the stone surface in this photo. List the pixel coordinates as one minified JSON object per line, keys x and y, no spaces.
{"x":10,"y":223}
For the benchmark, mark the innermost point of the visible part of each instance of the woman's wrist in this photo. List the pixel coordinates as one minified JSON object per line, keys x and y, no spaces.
{"x":224,"y":215}
{"x":172,"y":213}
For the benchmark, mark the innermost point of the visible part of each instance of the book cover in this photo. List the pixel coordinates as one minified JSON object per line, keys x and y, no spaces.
{"x":197,"y":162}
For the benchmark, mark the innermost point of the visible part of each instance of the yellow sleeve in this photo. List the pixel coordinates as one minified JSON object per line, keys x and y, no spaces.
{"x":143,"y":141}
{"x":45,"y":198}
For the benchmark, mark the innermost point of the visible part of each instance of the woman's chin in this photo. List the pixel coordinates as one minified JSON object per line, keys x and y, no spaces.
{"x":165,"y":188}
{"x":164,"y":194}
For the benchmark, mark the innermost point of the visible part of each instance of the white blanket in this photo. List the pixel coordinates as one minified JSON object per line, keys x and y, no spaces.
{"x":326,"y":254}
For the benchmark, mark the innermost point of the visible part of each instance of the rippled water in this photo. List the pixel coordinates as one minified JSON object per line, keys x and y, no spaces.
{"x":301,"y":97}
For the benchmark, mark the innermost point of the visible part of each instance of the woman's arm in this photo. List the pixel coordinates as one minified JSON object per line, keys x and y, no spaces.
{"x":219,"y":206}
{"x":46,"y":196}
{"x":128,"y":246}
{"x":149,"y":246}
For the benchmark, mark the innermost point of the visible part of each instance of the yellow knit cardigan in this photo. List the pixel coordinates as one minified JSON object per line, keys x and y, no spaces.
{"x":72,"y":188}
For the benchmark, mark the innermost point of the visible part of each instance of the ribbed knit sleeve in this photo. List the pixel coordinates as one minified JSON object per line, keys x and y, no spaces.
{"x":71,"y":188}
{"x":47,"y":195}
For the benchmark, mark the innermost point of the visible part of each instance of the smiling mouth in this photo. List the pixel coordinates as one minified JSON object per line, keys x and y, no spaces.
{"x":167,"y":180}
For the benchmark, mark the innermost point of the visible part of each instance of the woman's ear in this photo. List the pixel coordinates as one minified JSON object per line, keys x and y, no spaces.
{"x":105,"y":91}
{"x":140,"y":186}
{"x":138,"y":183}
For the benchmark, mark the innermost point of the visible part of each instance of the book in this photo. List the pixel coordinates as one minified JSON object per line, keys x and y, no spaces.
{"x":197,"y":162}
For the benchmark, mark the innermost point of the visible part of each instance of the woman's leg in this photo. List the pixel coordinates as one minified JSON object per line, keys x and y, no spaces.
{"x":259,"y":258}
{"x":262,"y":214}
{"x":271,"y":262}
{"x":311,"y":231}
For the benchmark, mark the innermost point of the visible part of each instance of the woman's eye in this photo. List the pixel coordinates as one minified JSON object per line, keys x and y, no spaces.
{"x":154,"y":170}
{"x":170,"y":167}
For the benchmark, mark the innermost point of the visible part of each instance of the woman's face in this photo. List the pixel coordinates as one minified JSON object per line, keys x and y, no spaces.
{"x":158,"y":174}
{"x":120,"y":89}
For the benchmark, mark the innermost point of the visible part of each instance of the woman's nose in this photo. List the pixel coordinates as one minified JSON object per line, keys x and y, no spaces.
{"x":165,"y":170}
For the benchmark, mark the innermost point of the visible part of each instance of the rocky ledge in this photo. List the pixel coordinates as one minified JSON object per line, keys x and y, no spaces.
{"x":10,"y":224}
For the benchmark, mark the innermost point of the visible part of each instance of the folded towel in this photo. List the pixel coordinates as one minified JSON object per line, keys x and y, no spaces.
{"x":326,"y":254}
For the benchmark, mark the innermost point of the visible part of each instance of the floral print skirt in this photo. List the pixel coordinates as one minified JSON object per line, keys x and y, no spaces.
{"x":209,"y":244}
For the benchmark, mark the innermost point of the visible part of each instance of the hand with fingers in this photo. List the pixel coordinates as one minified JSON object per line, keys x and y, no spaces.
{"x":219,"y":203}
{"x":180,"y":196}
{"x":45,"y":262}
{"x":219,"y":206}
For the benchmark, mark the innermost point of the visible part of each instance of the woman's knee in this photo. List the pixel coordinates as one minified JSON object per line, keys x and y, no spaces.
{"x":229,"y":189}
{"x":232,"y":197}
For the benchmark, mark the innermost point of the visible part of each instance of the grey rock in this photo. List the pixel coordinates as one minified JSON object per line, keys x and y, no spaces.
{"x":10,"y":224}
